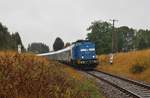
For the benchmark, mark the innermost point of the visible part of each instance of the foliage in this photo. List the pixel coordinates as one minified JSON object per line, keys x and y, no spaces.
{"x":137,"y":69}
{"x":58,"y":44}
{"x":84,"y":84}
{"x":38,"y":48}
{"x":100,"y":34}
{"x":142,"y":40}
{"x":16,"y":40}
{"x":28,"y":76}
{"x":124,"y":62}
{"x":9,"y":41}
{"x":67,"y":44}
{"x":127,"y":39}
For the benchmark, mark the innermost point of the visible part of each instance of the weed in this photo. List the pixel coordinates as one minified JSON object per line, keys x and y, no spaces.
{"x":28,"y":76}
{"x":127,"y":64}
{"x":137,"y":69}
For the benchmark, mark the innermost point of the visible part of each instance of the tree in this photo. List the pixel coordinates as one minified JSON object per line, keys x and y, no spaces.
{"x":16,"y":40}
{"x":100,"y":34}
{"x":128,"y":39}
{"x":67,"y":44}
{"x":142,"y":39}
{"x":125,"y":38}
{"x":38,"y":48}
{"x":58,"y":44}
{"x":8,"y":41}
{"x":5,"y":38}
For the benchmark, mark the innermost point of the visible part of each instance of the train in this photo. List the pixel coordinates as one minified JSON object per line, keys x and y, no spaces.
{"x":80,"y":54}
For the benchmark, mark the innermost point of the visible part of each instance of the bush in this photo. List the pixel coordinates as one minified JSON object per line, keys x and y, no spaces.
{"x":28,"y":76}
{"x":137,"y":69}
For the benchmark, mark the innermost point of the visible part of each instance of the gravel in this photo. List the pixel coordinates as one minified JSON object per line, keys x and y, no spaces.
{"x":106,"y":89}
{"x":140,"y":91}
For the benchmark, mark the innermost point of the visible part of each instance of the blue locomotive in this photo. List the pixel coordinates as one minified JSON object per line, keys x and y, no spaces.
{"x":80,"y":54}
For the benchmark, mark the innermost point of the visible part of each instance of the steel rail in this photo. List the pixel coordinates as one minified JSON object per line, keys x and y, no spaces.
{"x":119,"y":87}
{"x":125,"y":79}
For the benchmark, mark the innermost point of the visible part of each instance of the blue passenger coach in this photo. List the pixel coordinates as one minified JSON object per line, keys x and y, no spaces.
{"x":80,"y":54}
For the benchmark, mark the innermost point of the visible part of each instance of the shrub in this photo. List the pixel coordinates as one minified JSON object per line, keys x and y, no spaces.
{"x":137,"y":69}
{"x":28,"y":76}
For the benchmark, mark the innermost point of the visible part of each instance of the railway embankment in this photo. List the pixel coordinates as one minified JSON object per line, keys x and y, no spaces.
{"x":28,"y":76}
{"x":133,"y":65}
{"x":109,"y":91}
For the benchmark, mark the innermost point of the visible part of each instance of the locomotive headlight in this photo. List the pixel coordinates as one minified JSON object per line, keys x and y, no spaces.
{"x":82,"y":57}
{"x":93,"y":56}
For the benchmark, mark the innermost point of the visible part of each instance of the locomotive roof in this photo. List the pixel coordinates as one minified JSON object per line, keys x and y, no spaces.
{"x":79,"y":41}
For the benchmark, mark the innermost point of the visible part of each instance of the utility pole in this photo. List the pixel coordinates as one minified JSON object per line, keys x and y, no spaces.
{"x":114,"y":37}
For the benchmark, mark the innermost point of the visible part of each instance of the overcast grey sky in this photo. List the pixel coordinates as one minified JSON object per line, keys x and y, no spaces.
{"x":44,"y":20}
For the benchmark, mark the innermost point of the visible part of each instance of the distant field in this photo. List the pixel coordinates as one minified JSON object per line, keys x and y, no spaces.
{"x":135,"y":65}
{"x":28,"y":76}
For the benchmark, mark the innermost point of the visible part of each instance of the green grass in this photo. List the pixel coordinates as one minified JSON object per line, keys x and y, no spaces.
{"x":89,"y":86}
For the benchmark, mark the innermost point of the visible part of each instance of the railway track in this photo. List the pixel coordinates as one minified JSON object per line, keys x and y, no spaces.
{"x":129,"y":87}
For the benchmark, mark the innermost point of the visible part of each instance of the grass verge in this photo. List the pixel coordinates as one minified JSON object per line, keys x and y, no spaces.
{"x":134,"y":65}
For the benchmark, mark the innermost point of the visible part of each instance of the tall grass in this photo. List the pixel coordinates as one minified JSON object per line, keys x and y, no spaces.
{"x":135,"y":65}
{"x":28,"y":76}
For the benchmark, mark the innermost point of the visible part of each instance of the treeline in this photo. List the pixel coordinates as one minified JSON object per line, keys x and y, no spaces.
{"x":38,"y":48}
{"x":127,"y":39}
{"x":100,"y":32}
{"x":9,"y":41}
{"x":43,"y":48}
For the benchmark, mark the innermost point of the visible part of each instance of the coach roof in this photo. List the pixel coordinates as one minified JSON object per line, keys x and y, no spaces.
{"x":56,"y":52}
